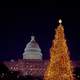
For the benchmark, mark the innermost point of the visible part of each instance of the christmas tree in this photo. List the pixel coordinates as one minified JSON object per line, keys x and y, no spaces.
{"x":59,"y":67}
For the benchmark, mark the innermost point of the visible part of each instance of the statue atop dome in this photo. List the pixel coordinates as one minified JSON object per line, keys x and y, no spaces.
{"x":32,"y":38}
{"x":32,"y":50}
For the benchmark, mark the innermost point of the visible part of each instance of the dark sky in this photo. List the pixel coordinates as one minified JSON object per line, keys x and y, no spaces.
{"x":19,"y":22}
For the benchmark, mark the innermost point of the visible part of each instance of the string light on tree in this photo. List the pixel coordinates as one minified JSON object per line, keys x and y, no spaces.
{"x":59,"y":67}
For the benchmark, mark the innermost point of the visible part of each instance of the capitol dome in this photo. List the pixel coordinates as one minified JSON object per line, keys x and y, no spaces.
{"x":32,"y":50}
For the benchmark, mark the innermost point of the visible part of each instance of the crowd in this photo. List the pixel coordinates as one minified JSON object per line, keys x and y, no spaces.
{"x":6,"y":74}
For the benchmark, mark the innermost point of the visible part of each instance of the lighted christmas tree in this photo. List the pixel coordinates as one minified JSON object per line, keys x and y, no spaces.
{"x":59,"y":67}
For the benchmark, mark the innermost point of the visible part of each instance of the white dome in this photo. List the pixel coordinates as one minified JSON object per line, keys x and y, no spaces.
{"x":32,"y":45}
{"x":32,"y":50}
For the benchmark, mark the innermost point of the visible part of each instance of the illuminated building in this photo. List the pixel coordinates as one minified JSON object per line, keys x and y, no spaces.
{"x":32,"y":62}
{"x":32,"y":50}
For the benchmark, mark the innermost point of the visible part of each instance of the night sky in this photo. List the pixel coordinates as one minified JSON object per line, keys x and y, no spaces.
{"x":18,"y":23}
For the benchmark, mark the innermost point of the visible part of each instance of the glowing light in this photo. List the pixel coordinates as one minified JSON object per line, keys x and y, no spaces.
{"x":60,"y":21}
{"x":59,"y":67}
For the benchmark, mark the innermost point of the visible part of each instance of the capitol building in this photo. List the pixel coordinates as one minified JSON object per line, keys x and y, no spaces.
{"x":32,"y":50}
{"x":32,"y":62}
